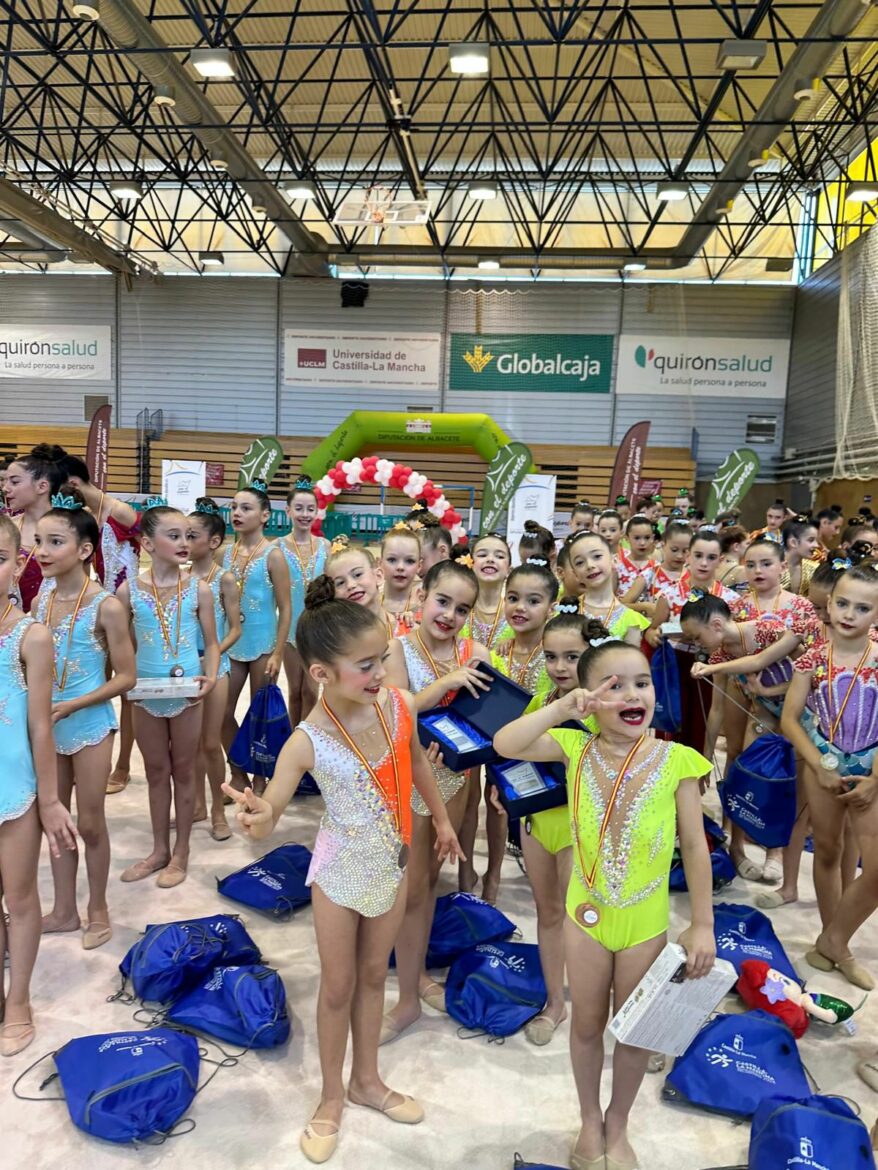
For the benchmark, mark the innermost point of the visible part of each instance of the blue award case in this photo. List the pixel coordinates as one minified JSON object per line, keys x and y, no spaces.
{"x":465,"y":729}
{"x":526,"y":786}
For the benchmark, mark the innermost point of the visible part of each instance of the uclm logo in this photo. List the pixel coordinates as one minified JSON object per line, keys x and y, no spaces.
{"x":642,"y":355}
{"x":312,"y":359}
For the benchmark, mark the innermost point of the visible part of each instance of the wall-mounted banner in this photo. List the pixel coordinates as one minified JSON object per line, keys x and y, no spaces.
{"x":548,"y":363}
{"x":80,"y":352}
{"x":731,"y":367}
{"x":629,"y":463}
{"x":399,"y":361}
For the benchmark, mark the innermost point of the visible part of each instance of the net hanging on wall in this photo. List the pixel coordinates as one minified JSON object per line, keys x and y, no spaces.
{"x":856,"y":371}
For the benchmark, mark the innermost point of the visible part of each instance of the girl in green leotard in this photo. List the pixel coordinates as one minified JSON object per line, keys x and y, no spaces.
{"x":629,"y":796}
{"x":546,"y":842}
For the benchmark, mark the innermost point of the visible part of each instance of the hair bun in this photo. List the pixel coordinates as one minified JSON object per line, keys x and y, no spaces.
{"x":320,"y":591}
{"x":48,"y":453}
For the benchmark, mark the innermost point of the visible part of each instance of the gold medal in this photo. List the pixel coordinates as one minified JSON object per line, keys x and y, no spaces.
{"x":587,"y":915}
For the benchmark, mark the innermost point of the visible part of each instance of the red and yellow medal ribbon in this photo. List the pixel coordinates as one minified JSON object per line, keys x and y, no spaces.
{"x":173,"y":650}
{"x":63,"y":681}
{"x":588,"y":876}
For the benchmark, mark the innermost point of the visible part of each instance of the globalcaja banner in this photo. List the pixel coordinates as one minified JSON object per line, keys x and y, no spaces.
{"x":79,"y":352}
{"x":399,"y":361}
{"x":732,"y":367}
{"x":548,"y":363}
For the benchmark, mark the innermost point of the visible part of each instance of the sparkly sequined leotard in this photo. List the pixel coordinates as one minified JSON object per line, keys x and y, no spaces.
{"x":842,"y":707}
{"x":623,"y":900}
{"x":81,"y":662}
{"x":155,"y":658}
{"x":117,"y":555}
{"x":357,"y":851}
{"x":303,"y":570}
{"x":18,"y":779}
{"x":215,"y":583}
{"x":258,"y":607}
{"x":421,"y":674}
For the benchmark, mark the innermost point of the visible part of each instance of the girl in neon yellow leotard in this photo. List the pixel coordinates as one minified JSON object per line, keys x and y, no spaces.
{"x":629,"y":796}
{"x":546,"y":841}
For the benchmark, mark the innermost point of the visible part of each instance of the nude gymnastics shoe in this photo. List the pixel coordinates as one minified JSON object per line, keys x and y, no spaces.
{"x":139,"y":871}
{"x":434,"y":996}
{"x":855,"y":974}
{"x":172,"y":875}
{"x":407,"y":1112}
{"x":95,"y":934}
{"x":578,"y":1162}
{"x":612,"y":1164}
{"x":14,"y":1038}
{"x":319,"y":1147}
{"x":540,"y":1030}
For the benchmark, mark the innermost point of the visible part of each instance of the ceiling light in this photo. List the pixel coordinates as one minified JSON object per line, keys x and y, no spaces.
{"x":211,"y":259}
{"x":299,"y":189}
{"x":671,"y":192}
{"x":219,"y":162}
{"x":483,"y":189}
{"x":163,"y":95}
{"x":862,"y":192}
{"x":213,"y":63}
{"x":634,"y":266}
{"x":735,"y":54}
{"x":469,"y":60}
{"x":779,"y":264}
{"x":126,"y":191}
{"x":489,"y":265}
{"x":806,"y":91}
{"x":87,"y":10}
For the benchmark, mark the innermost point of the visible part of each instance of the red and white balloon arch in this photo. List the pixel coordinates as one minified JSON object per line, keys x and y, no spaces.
{"x":388,"y":474}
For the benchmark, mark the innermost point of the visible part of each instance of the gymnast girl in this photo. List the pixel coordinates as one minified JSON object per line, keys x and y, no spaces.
{"x":630,"y":796}
{"x":361,"y":745}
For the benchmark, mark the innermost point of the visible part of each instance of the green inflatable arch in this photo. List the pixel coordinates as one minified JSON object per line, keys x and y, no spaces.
{"x":379,"y":427}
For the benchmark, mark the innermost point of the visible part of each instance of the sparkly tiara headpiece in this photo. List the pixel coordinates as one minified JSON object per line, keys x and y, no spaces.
{"x":68,"y":503}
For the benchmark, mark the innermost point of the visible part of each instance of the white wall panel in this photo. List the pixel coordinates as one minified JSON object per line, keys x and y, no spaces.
{"x":392,"y":306}
{"x":54,"y":300}
{"x":811,"y":392}
{"x":705,"y":311}
{"x":571,"y":308}
{"x":203,"y":350}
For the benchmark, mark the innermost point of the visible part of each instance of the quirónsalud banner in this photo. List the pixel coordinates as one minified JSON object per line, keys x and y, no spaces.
{"x":80,"y":352}
{"x":628,"y":467}
{"x":504,"y":475}
{"x":734,"y":478}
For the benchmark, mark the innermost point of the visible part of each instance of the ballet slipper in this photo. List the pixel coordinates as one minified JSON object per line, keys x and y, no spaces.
{"x":772,"y":900}
{"x":434,"y":998}
{"x":220,"y":831}
{"x":172,"y":875}
{"x":114,"y":786}
{"x":95,"y":934}
{"x":855,"y":974}
{"x":14,"y":1038}
{"x":406,"y":1112}
{"x":612,"y":1164}
{"x":140,"y":870}
{"x":319,"y":1147}
{"x":772,"y":871}
{"x":748,"y":870}
{"x":577,"y":1162}
{"x":540,"y":1030}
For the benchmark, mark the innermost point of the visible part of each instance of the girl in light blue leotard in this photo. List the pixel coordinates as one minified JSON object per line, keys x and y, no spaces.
{"x":207,"y":531}
{"x":89,"y":633}
{"x":306,"y":557}
{"x":263,"y":578}
{"x":27,"y":768}
{"x":167,"y":608}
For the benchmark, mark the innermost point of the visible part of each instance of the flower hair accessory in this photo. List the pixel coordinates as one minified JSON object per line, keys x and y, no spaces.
{"x":540,"y":562}
{"x":568,"y":607}
{"x":340,"y":544}
{"x":155,"y":502}
{"x":418,"y":508}
{"x":258,"y":485}
{"x":400,"y":526}
{"x":695,"y":595}
{"x":595,"y":642}
{"x":838,"y":563}
{"x":67,"y":503}
{"x":206,"y":509}
{"x":466,"y":559}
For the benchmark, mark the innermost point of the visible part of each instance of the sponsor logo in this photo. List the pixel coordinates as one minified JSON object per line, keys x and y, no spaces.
{"x":478,"y":359}
{"x":735,"y":1057}
{"x":418,"y":426}
{"x":731,"y":363}
{"x":312,"y":359}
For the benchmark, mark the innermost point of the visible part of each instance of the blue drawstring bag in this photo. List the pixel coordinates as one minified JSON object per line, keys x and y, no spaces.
{"x":520,"y":1164}
{"x":129,"y":1086}
{"x":496,"y":988}
{"x":742,"y":932}
{"x":237,"y":945}
{"x":759,"y":793}
{"x":246,"y":1006}
{"x":735,"y":1063}
{"x":721,"y":864}
{"x":460,"y":922}
{"x":275,"y":884}
{"x":666,"y":683}
{"x":265,"y":730}
{"x":807,"y":1134}
{"x":168,"y":960}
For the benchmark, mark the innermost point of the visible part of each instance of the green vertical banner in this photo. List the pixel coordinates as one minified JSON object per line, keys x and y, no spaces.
{"x":734,"y":478}
{"x":504,"y":475}
{"x":261,"y":460}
